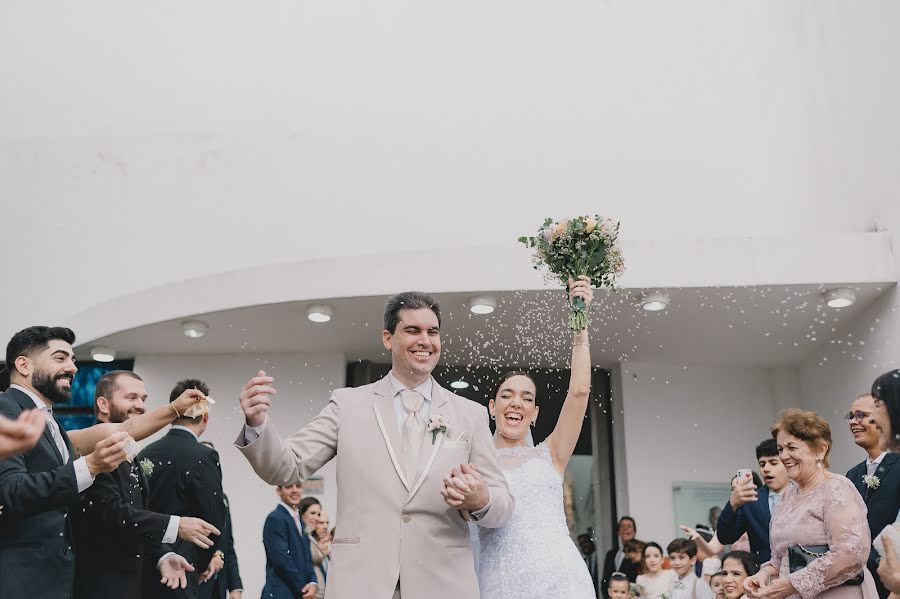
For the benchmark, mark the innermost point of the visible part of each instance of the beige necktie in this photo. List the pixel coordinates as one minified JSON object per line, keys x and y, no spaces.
{"x":413,"y":433}
{"x":57,"y":437}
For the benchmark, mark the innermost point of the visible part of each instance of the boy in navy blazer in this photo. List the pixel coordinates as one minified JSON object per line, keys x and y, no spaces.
{"x":289,"y":565}
{"x":750,"y":509}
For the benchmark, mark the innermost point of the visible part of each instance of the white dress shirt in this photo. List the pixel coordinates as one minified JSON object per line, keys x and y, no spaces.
{"x":876,"y":462}
{"x":684,"y":588}
{"x":82,"y":474}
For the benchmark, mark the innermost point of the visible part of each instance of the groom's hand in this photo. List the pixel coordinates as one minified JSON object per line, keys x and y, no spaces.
{"x":255,"y":398}
{"x":465,"y":489}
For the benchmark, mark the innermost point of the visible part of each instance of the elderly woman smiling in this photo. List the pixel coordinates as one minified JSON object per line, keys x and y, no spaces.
{"x":819,"y":534}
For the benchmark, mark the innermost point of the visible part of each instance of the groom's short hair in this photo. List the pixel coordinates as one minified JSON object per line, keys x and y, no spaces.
{"x":408,"y":300}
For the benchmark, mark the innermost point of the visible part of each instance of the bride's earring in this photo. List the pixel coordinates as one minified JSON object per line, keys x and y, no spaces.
{"x":533,"y":422}
{"x":493,"y":417}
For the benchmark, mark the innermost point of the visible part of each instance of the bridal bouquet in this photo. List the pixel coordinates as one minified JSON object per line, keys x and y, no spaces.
{"x":584,"y":245}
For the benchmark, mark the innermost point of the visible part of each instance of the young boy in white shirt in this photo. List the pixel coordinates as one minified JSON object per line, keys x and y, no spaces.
{"x":683,"y":557}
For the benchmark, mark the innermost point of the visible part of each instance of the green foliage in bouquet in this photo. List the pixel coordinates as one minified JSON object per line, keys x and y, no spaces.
{"x":584,"y":245}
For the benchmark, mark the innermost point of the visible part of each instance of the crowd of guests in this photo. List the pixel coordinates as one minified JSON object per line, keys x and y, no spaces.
{"x":83,"y":513}
{"x":109,"y":523}
{"x":796,"y":529}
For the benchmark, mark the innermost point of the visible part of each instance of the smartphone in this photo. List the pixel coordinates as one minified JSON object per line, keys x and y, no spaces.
{"x":744,"y":474}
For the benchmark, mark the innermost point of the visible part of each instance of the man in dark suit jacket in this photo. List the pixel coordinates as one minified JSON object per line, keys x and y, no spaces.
{"x":185,"y":478}
{"x":39,"y":489}
{"x":117,"y":533}
{"x":883,"y":499}
{"x":750,"y":508}
{"x":226,"y":583}
{"x":290,"y":573}
{"x":615,"y":557}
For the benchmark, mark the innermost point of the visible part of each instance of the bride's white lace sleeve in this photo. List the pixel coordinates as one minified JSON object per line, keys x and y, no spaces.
{"x":848,"y":540}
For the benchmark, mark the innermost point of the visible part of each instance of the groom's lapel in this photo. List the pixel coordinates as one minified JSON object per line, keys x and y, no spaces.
{"x":439,"y":406}
{"x":386,"y":416}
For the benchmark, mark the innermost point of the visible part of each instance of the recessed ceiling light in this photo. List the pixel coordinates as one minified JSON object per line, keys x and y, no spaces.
{"x":194,"y":328}
{"x":319,"y":313}
{"x":654,"y":302}
{"x":101,"y":353}
{"x":483,"y":304}
{"x":459,"y":385}
{"x":839,"y":298}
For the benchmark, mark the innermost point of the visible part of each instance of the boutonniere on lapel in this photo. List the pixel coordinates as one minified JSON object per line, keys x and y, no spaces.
{"x":871,"y":481}
{"x":146,"y":466}
{"x":437,"y":424}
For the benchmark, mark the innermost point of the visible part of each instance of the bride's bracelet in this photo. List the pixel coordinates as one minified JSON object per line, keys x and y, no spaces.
{"x":585,"y":343}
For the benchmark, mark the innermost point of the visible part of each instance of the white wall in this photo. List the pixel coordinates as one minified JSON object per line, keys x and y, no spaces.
{"x":857,"y":353}
{"x":283,"y":131}
{"x":846,"y":367}
{"x":304,"y":383}
{"x":697,"y":424}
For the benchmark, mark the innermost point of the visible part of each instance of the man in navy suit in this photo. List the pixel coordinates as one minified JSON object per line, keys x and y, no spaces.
{"x":750,"y":509}
{"x":289,"y":565}
{"x":882,"y":498}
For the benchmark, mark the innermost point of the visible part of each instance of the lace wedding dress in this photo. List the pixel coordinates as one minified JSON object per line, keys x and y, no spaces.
{"x":532,"y":555}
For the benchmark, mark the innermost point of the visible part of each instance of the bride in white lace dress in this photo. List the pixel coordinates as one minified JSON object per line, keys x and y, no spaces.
{"x":532,"y":555}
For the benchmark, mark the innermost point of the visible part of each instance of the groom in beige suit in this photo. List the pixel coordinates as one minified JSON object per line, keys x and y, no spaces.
{"x":404,"y":442}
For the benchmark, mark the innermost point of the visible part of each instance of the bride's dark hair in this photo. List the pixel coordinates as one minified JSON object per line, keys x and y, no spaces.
{"x":508,"y":375}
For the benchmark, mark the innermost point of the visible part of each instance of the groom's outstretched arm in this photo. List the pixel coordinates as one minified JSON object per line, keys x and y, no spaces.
{"x":283,"y":462}
{"x":484,"y":457}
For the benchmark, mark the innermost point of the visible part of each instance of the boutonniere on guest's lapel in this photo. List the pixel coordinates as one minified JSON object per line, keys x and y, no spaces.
{"x":146,"y":466}
{"x":437,"y":424}
{"x":871,"y":481}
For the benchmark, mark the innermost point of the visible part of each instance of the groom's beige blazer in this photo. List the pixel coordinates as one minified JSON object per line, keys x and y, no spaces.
{"x":390,"y":528}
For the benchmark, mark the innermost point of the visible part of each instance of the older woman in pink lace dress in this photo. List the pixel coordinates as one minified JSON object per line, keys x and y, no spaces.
{"x":820,"y":508}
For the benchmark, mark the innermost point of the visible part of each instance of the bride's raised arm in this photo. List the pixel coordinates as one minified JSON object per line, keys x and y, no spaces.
{"x":562,"y":440}
{"x":139,"y":427}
